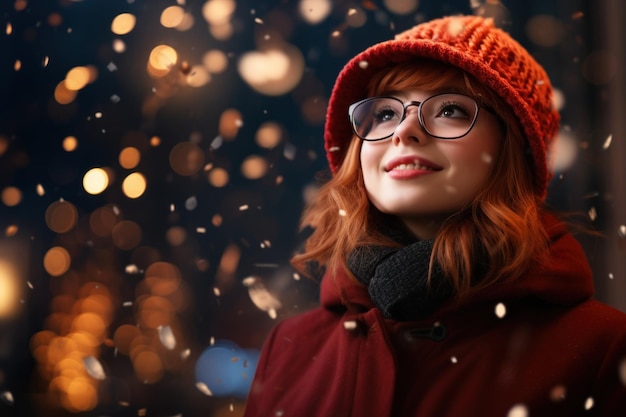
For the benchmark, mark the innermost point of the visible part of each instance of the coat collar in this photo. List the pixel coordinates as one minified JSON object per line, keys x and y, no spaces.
{"x":564,"y":278}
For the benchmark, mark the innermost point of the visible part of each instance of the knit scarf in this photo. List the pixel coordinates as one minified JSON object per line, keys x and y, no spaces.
{"x":397,"y":279}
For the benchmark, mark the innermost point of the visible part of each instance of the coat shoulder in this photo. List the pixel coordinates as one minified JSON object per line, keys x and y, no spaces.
{"x":310,"y":325}
{"x":600,"y":316}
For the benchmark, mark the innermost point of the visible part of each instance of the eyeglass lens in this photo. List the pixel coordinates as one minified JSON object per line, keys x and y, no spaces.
{"x":443,"y":116}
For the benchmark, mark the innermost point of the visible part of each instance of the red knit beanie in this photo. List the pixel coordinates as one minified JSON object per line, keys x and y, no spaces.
{"x":480,"y":49}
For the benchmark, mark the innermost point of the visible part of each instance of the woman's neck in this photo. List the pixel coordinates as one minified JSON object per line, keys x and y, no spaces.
{"x":423,"y":228}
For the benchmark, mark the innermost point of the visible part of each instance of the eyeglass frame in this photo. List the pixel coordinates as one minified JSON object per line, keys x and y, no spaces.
{"x":408,"y":104}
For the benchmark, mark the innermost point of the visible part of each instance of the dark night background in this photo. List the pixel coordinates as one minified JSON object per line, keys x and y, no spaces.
{"x":586,"y":65}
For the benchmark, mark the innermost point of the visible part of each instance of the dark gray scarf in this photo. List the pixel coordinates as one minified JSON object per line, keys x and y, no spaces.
{"x":397,"y":279}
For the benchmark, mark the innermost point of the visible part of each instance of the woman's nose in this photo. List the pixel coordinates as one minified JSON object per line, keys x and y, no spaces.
{"x":409,"y":129}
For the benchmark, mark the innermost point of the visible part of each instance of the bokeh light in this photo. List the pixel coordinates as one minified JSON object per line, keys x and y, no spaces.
{"x":401,"y":7}
{"x":80,"y":395}
{"x":215,"y":61}
{"x":186,"y":23}
{"x":148,"y":366}
{"x":155,"y":141}
{"x":123,"y":23}
{"x":272,"y":72}
{"x":172,"y":16}
{"x":314,"y":11}
{"x":70,"y":143}
{"x":254,"y":167}
{"x":119,"y":46}
{"x":176,"y":236}
{"x":103,"y":219}
{"x":226,"y":370}
{"x":129,"y":157}
{"x":4,"y":144}
{"x":545,"y":30}
{"x":218,"y":177}
{"x":123,"y":337}
{"x":198,"y":76}
{"x":11,"y":230}
{"x":61,"y":216}
{"x":57,"y":261}
{"x":134,"y":185}
{"x":356,"y":17}
{"x":95,"y":181}
{"x":77,"y":78}
{"x":126,"y":234}
{"x":269,"y":135}
{"x":10,"y":293}
{"x":218,"y":12}
{"x":186,"y":158}
{"x":55,"y":19}
{"x":64,"y":95}
{"x":20,"y":5}
{"x":230,"y":122}
{"x":161,"y":60}
{"x":11,"y":196}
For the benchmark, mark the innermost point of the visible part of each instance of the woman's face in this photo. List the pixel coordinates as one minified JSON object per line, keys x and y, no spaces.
{"x":422,"y":179}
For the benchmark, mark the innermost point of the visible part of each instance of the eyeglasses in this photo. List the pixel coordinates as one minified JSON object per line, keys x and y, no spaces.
{"x":443,"y":116}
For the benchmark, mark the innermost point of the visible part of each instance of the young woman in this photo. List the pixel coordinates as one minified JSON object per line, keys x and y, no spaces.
{"x":448,"y":290}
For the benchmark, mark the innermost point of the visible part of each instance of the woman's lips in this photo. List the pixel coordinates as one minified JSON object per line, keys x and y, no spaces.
{"x":411,"y":164}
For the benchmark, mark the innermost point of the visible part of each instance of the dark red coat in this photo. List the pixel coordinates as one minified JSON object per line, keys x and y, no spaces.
{"x":556,"y":352}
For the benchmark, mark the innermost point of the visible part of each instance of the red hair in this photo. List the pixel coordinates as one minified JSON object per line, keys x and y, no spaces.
{"x":499,"y":232}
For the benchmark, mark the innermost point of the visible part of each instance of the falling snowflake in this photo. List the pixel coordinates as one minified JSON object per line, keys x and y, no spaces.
{"x":607,"y":142}
{"x":500,"y":310}
{"x":7,"y":397}
{"x":94,"y":367}
{"x":202,"y":387}
{"x":518,"y":410}
{"x":592,"y":214}
{"x":166,"y":336}
{"x":349,"y":324}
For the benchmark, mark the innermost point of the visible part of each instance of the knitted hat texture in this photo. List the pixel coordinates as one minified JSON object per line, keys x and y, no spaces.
{"x":476,"y":46}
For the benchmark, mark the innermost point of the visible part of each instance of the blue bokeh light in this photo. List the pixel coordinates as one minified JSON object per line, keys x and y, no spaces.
{"x":226,"y":369}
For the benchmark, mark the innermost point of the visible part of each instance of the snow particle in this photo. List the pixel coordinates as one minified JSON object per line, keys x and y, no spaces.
{"x":7,"y":397}
{"x":349,"y":324}
{"x":607,"y":142}
{"x":518,"y":410}
{"x":94,"y":367}
{"x":500,"y":310}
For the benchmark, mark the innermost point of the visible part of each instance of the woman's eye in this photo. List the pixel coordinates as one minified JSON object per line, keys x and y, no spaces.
{"x":384,"y":115}
{"x":453,"y":111}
